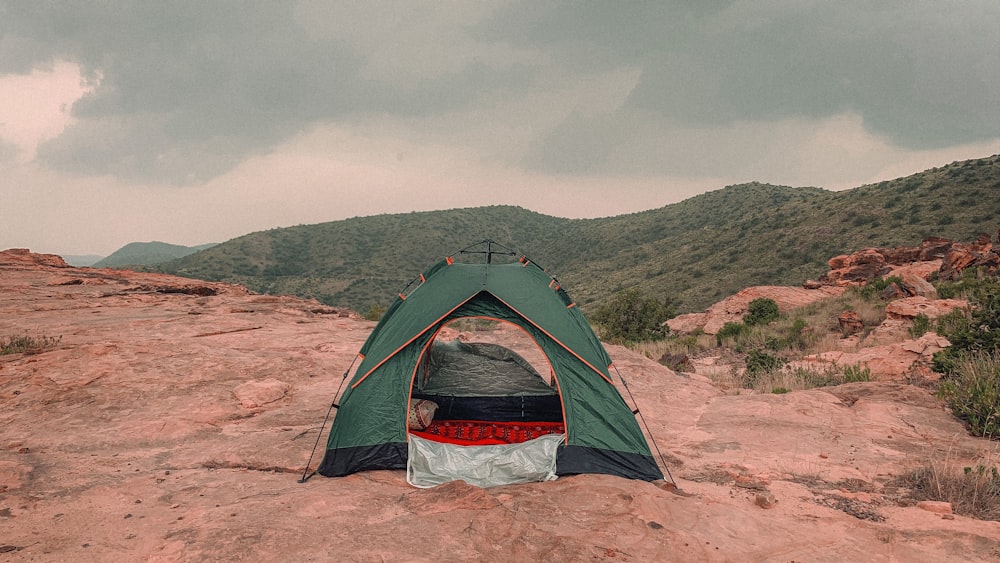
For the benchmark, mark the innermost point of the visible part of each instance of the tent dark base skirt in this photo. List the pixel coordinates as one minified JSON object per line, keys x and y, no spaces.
{"x":570,"y":460}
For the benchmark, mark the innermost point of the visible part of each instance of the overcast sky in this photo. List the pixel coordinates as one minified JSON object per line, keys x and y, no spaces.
{"x":199,"y":121}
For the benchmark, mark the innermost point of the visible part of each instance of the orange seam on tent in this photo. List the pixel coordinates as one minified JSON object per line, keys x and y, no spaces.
{"x":407,"y":343}
{"x":552,"y":282}
{"x":403,"y":297}
{"x":422,"y":278}
{"x":450,"y":260}
{"x":571,"y":305}
{"x":556,"y":340}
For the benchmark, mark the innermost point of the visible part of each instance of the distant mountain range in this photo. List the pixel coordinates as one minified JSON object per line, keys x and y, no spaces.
{"x":145,"y":254}
{"x":694,"y":252}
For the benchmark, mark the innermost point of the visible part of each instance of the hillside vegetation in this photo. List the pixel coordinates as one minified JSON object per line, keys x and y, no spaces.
{"x":694,"y":252}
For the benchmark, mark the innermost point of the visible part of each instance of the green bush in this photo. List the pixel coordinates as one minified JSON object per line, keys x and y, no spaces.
{"x":974,"y":283}
{"x":760,"y":363}
{"x":731,"y":330}
{"x":875,"y":287}
{"x":375,"y":312}
{"x":973,"y":392}
{"x":976,"y":332}
{"x":856,"y":373}
{"x":799,"y":334}
{"x":921,"y":324}
{"x":950,"y":323}
{"x":631,"y":317}
{"x":761,"y":311}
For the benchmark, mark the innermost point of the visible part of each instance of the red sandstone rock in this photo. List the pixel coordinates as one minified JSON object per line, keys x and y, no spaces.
{"x":910,"y":307}
{"x":765,"y":500}
{"x":857,"y":268}
{"x":850,"y":323}
{"x":253,"y":394}
{"x":25,"y":257}
{"x":937,"y":507}
{"x":933,"y":255}
{"x":979,"y":254}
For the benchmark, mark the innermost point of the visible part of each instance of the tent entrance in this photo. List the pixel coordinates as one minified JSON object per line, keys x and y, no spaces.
{"x":481,"y":411}
{"x":485,"y":376}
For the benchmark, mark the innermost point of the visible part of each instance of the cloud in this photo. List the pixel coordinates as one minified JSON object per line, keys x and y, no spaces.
{"x":923,"y":75}
{"x":181,"y":93}
{"x":174,"y":83}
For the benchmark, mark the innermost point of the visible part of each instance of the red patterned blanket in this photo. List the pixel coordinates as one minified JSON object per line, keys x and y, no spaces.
{"x":484,"y":433}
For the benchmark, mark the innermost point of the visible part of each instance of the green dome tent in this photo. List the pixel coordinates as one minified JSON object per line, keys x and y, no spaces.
{"x":597,"y":431}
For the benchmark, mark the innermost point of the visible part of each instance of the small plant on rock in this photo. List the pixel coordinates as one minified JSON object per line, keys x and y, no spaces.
{"x":28,"y":344}
{"x":731,"y":330}
{"x":857,"y":373}
{"x":921,"y":325}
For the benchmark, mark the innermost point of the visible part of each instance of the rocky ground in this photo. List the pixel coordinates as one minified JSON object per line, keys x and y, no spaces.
{"x":172,"y":419}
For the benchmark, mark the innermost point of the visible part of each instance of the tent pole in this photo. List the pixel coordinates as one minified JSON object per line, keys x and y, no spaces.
{"x":325,"y":420}
{"x":646,"y":426}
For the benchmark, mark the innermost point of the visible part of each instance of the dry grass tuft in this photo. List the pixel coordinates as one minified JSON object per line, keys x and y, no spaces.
{"x":973,"y":489}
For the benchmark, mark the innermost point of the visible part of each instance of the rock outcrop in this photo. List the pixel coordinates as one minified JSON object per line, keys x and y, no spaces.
{"x":25,"y":257}
{"x":943,"y":257}
{"x":887,"y":350}
{"x":732,"y":308}
{"x":979,"y":254}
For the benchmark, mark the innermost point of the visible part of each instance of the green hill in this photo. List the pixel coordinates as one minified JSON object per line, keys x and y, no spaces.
{"x":696,"y":251}
{"x":147,"y":254}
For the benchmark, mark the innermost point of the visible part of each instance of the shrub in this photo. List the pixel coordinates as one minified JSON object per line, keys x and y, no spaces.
{"x":921,"y":324}
{"x":731,"y":330}
{"x":761,"y":311}
{"x":973,"y":393}
{"x":375,"y":312}
{"x":856,"y":373}
{"x":973,"y":490}
{"x":875,"y":287}
{"x":975,"y":332}
{"x":631,"y":317}
{"x":955,"y":321}
{"x":760,"y":363}
{"x":974,"y":283}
